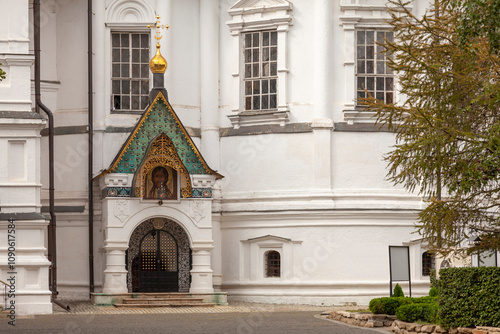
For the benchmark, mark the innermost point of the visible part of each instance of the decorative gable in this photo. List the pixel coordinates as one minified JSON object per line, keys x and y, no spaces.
{"x":260,"y":4}
{"x":159,"y":139}
{"x":259,"y":12}
{"x":269,"y":238}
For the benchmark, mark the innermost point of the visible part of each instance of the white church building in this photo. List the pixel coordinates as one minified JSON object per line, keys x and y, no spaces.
{"x":246,"y":172}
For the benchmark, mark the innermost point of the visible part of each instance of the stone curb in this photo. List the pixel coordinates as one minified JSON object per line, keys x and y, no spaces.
{"x":367,"y":320}
{"x":370,"y":320}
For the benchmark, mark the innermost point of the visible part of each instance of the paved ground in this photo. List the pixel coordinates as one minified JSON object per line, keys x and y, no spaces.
{"x":237,"y":318}
{"x":219,"y":323}
{"x":85,"y":307}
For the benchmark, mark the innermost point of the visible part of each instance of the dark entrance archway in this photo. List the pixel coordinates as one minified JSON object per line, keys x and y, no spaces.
{"x":158,"y":258}
{"x":158,"y":263}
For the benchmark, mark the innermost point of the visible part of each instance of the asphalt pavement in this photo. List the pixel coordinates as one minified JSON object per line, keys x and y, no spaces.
{"x":206,"y":323}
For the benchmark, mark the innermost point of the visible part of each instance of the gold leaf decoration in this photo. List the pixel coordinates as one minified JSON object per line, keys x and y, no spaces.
{"x":163,"y":153}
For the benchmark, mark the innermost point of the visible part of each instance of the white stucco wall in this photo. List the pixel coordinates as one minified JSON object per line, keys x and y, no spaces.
{"x":315,"y":187}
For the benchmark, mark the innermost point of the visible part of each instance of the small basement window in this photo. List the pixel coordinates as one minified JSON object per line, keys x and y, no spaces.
{"x":273,"y":264}
{"x":428,"y":263}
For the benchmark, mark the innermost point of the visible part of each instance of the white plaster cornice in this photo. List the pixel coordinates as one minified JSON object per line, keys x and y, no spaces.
{"x":116,"y":180}
{"x":358,"y":6}
{"x":279,"y":117}
{"x":241,"y":24}
{"x":113,"y":245}
{"x":320,"y":201}
{"x":20,"y":124}
{"x":354,"y":115}
{"x":364,"y":15}
{"x":200,"y":245}
{"x":10,"y":59}
{"x":47,"y":86}
{"x":121,"y":26}
{"x":322,"y":123}
{"x":202,"y":181}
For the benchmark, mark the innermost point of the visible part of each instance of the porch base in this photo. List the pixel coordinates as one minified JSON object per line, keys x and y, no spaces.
{"x":107,"y":299}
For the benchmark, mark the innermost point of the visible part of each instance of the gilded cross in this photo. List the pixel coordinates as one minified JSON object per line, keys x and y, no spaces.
{"x":158,"y":26}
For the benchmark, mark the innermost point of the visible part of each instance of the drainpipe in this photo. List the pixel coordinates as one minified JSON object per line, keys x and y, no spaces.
{"x":52,"y":244}
{"x":91,"y":148}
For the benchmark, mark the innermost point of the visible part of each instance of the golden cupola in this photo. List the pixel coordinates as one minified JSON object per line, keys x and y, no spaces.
{"x":158,"y":64}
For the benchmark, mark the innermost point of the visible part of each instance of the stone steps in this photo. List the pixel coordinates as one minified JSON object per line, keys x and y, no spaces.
{"x":162,"y":295}
{"x":165,"y":304}
{"x":157,"y":300}
{"x":167,"y":299}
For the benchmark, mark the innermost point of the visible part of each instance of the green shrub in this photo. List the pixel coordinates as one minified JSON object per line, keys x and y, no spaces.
{"x":414,"y":312}
{"x":375,"y":306}
{"x":469,"y":297}
{"x":434,"y":280}
{"x":398,"y":291}
{"x":430,"y":313}
{"x":401,"y":301}
{"x":390,"y":304}
{"x":387,"y":305}
{"x":433,"y":292}
{"x":424,"y":300}
{"x":410,"y":312}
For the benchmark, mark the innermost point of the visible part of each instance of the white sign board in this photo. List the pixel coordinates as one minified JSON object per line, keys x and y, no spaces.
{"x":487,"y":259}
{"x":399,"y":263}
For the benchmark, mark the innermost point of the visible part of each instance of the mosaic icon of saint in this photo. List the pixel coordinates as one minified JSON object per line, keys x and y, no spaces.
{"x":161,"y":185}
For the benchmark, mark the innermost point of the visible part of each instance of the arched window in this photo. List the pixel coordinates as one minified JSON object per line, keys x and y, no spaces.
{"x":428,"y":263}
{"x":273,"y":264}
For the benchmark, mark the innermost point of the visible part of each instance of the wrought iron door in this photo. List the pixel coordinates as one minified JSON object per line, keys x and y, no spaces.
{"x":158,"y":271}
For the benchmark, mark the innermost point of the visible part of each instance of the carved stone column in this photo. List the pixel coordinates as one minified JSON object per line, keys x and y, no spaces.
{"x":115,"y":274}
{"x":201,"y":274}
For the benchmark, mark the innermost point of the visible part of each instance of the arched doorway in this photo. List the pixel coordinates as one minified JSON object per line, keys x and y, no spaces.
{"x":158,"y":258}
{"x":157,"y":265}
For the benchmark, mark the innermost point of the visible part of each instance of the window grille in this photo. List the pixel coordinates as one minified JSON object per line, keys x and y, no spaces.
{"x":129,"y":71}
{"x":273,"y":264}
{"x":261,"y":70}
{"x":372,"y":71}
{"x":428,"y":263}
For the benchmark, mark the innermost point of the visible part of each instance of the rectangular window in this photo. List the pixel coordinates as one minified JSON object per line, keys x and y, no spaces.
{"x":261,"y":70}
{"x":129,"y":71}
{"x":372,"y":72}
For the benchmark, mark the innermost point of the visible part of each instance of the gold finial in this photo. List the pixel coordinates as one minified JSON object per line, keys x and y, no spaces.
{"x":158,"y":64}
{"x":158,"y":26}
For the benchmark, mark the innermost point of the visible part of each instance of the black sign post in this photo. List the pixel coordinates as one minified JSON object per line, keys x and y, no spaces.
{"x":399,"y":265}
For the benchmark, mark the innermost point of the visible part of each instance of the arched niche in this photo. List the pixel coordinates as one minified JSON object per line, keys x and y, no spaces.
{"x":129,"y":11}
{"x":161,"y":152}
